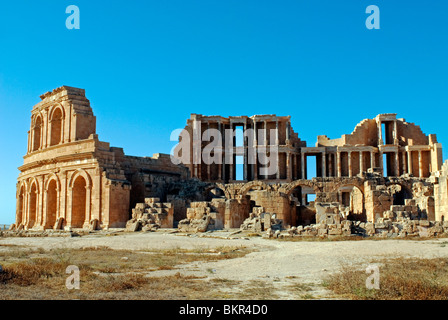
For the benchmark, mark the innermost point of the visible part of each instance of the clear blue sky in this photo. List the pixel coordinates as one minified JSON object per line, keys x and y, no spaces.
{"x":146,"y":65}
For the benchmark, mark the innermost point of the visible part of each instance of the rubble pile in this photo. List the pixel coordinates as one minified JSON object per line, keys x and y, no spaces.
{"x":259,"y":221}
{"x":150,"y":216}
{"x":203,"y":216}
{"x":382,"y":228}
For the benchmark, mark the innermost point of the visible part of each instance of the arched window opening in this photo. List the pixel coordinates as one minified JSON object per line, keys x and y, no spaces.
{"x":79,"y":203}
{"x":33,"y":206}
{"x":37,"y":134}
{"x":20,"y":206}
{"x":56,"y":127}
{"x":52,"y":199}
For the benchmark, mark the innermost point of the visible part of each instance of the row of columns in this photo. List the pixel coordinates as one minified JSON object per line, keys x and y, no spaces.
{"x":222,"y":168}
{"x":361,"y":163}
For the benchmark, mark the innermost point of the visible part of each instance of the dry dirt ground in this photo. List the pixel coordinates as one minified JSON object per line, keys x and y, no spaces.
{"x":276,"y":264}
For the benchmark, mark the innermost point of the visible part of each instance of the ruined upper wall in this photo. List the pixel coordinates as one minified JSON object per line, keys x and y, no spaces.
{"x":384,"y":129}
{"x":281,"y":124}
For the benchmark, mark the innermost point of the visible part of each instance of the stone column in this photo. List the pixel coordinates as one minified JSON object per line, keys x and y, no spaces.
{"x":265,"y":133}
{"x":29,"y":142}
{"x":361,"y":162}
{"x":420,"y":164}
{"x":26,"y":214}
{"x":294,"y":175}
{"x":44,"y":132}
{"x":208,"y":165}
{"x":380,"y":156}
{"x":395,"y":135}
{"x":397,"y":165}
{"x":88,"y":203}
{"x":380,"y":135}
{"x":288,"y":166}
{"x":64,"y":195}
{"x":277,"y":173}
{"x":287,"y":132}
{"x":302,"y":164}
{"x":410,"y":162}
{"x":231,"y":165}
{"x":245,"y":146}
{"x":40,"y":201}
{"x":330,"y":165}
{"x":403,"y":154}
{"x":324,"y":165}
{"x":255,"y":151}
{"x":220,"y":165}
{"x":338,"y":160}
{"x":277,"y":141}
{"x":350,"y":170}
{"x":372,"y":159}
{"x":68,"y":113}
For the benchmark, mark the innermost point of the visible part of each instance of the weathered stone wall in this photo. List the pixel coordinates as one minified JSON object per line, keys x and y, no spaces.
{"x":69,"y":178}
{"x":441,"y":193}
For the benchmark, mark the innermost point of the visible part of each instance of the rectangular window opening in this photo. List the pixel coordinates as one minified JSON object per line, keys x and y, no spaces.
{"x":239,"y":164}
{"x":239,"y":136}
{"x":310,"y":197}
{"x":311,"y":166}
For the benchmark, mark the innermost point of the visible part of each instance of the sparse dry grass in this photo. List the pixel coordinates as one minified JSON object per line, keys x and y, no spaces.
{"x":105,"y":273}
{"x":400,"y":279}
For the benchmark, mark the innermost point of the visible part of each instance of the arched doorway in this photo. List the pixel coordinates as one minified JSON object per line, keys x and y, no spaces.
{"x":400,"y":193}
{"x":56,"y":127}
{"x":352,"y":198}
{"x":33,"y":207}
{"x":304,"y":196}
{"x":79,"y":202}
{"x":52,"y":200}
{"x":37,"y":133}
{"x":20,"y":204}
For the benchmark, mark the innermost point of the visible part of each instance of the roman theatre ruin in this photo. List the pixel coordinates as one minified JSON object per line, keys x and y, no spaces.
{"x":386,"y":169}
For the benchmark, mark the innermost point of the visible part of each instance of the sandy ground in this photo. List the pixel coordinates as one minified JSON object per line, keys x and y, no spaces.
{"x":277,"y":263}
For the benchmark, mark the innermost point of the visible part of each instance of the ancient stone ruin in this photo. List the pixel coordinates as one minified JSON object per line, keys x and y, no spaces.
{"x":385,"y":178}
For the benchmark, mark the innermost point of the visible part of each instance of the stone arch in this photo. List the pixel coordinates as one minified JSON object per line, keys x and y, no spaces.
{"x":37,"y":133}
{"x":354,"y":201}
{"x":21,"y":196}
{"x":52,"y":187}
{"x":289,"y":187}
{"x":223,"y":188}
{"x":84,"y":174}
{"x":248,"y":186}
{"x":353,"y":182}
{"x":210,"y":187}
{"x":56,"y":125}
{"x":79,"y":202}
{"x":80,"y":193}
{"x":33,"y":203}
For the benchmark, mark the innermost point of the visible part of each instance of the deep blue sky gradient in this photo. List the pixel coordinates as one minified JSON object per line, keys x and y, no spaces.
{"x":146,"y":65}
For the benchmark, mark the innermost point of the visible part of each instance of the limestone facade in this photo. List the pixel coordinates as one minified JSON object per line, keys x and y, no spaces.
{"x":386,"y":168}
{"x":71,"y":179}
